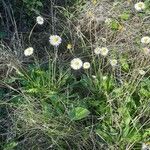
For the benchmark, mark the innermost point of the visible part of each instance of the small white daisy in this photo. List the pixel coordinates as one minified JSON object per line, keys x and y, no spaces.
{"x":86,"y":65}
{"x":139,"y":6}
{"x":104,"y":51}
{"x":113,"y":62}
{"x":142,"y":72}
{"x":97,"y":51}
{"x":145,"y":40}
{"x":55,"y":40}
{"x":76,"y":63}
{"x":39,"y":20}
{"x":28,"y":51}
{"x":146,"y":51}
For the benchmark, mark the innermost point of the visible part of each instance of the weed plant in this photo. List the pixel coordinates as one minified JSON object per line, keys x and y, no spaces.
{"x":91,"y":87}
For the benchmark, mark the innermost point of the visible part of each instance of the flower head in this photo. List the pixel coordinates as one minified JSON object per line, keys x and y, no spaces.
{"x":113,"y":62}
{"x":97,"y":51}
{"x":104,"y":51}
{"x":76,"y":63}
{"x":139,"y":6}
{"x":146,"y":51}
{"x":104,"y":77}
{"x":39,"y":20}
{"x":28,"y":51}
{"x":142,"y":72}
{"x":145,"y":40}
{"x":86,"y":65}
{"x":55,"y":40}
{"x":69,"y":46}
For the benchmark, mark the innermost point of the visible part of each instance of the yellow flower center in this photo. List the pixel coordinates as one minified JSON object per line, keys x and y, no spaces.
{"x":77,"y":63}
{"x":145,"y":39}
{"x":140,"y":5}
{"x":104,"y":50}
{"x":56,"y":39}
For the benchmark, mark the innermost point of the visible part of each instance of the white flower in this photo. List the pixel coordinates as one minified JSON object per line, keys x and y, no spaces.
{"x":113,"y":62}
{"x":86,"y":65}
{"x":142,"y":72}
{"x":28,"y":51}
{"x":104,"y":77}
{"x":146,"y":51}
{"x":145,"y":146}
{"x":76,"y":63}
{"x":139,"y":6}
{"x":55,"y":40}
{"x":39,"y":20}
{"x":97,"y":51}
{"x":104,"y":51}
{"x":145,"y":40}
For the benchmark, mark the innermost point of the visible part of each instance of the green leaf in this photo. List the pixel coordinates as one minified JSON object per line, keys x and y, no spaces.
{"x":124,"y":64}
{"x":133,"y":136}
{"x":114,"y":25}
{"x":124,"y":112}
{"x":39,"y":3}
{"x":10,"y":146}
{"x":103,"y":135}
{"x":146,"y":133}
{"x":78,"y":113}
{"x":107,"y":133}
{"x":125,"y":16}
{"x":144,"y":92}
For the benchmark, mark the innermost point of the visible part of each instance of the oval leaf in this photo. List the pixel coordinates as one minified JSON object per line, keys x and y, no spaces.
{"x":79,"y":113}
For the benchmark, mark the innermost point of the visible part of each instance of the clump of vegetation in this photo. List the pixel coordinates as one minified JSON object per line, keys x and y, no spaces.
{"x":85,"y":85}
